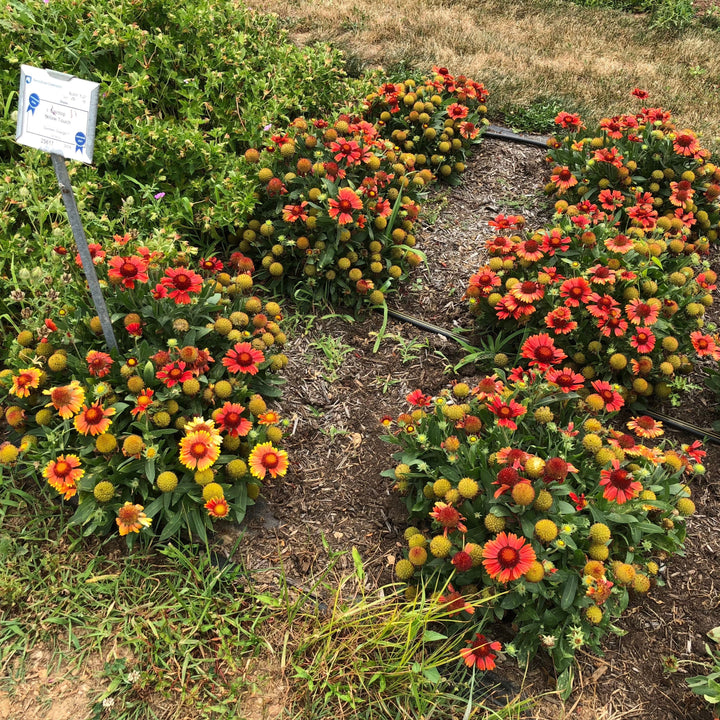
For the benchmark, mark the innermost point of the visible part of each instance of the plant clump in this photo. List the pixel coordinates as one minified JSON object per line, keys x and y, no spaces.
{"x":338,"y":201}
{"x":168,"y":432}
{"x":570,"y":515}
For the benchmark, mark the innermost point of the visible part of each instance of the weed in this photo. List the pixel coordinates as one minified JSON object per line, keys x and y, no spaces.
{"x":537,"y":117}
{"x":333,"y":353}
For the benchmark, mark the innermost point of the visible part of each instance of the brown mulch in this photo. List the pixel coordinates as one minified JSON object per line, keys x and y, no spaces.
{"x":335,"y":498}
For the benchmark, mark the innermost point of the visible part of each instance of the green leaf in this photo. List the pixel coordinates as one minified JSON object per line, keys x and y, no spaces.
{"x":432,"y":674}
{"x":565,"y":683}
{"x":432,"y":636}
{"x":359,"y":569}
{"x":569,"y":591}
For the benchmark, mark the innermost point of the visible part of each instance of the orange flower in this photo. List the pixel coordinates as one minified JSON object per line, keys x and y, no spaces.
{"x":217,"y":507}
{"x":645,"y":427}
{"x":563,"y":179}
{"x":62,"y":474}
{"x":507,"y":557}
{"x":268,"y":418}
{"x":265,"y":458}
{"x":181,"y":282}
{"x":93,"y":420}
{"x":480,"y":653}
{"x":198,"y":424}
{"x":198,"y":451}
{"x":144,"y":401}
{"x":67,"y":399}
{"x":25,"y":381}
{"x":131,"y":518}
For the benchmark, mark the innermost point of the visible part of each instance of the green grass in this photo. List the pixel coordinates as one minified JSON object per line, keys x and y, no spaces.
{"x":184,"y":628}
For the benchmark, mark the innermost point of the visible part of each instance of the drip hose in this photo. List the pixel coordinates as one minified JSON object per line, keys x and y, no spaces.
{"x":495,"y":132}
{"x":423,"y":325}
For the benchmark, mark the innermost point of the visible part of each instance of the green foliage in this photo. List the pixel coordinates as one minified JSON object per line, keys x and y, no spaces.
{"x":513,"y":463}
{"x":177,"y":406}
{"x":672,"y":15}
{"x":185,"y":88}
{"x":537,"y":117}
{"x":709,"y":685}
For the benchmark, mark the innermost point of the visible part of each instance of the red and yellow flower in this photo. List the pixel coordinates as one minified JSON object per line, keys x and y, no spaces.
{"x":25,"y":381}
{"x":131,"y":518}
{"x":217,"y":507}
{"x":180,"y":282}
{"x":231,"y":421}
{"x":198,"y":451}
{"x":266,"y":459}
{"x":619,"y":484}
{"x":99,"y":363}
{"x":507,"y":557}
{"x":93,"y":420}
{"x":480,"y":653}
{"x":66,"y":399}
{"x":63,"y":473}
{"x":128,"y":270}
{"x":243,"y":358}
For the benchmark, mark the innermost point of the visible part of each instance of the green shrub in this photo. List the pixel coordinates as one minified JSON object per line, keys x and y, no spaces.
{"x":185,"y":88}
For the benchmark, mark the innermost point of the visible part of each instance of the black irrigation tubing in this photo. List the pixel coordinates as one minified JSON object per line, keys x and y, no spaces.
{"x":423,"y":325}
{"x":496,"y":132}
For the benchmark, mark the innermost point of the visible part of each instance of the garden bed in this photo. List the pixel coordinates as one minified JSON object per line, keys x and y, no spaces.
{"x":340,"y":389}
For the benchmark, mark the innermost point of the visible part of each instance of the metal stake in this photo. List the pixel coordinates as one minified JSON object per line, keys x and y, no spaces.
{"x":82,"y":246}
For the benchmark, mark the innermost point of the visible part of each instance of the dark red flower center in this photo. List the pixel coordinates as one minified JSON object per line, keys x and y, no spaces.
{"x":508,"y":557}
{"x":620,"y":479}
{"x":62,"y":468}
{"x":198,"y":449}
{"x":182,"y":281}
{"x":127,"y":269}
{"x":270,"y":460}
{"x":93,"y":415}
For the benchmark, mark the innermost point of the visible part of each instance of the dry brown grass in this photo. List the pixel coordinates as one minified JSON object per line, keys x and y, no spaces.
{"x":525,"y":50}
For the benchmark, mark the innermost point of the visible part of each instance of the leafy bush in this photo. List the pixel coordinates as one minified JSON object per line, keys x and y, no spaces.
{"x":185,"y":88}
{"x":624,"y":307}
{"x":173,"y":426}
{"x":523,"y":491}
{"x":650,"y":174}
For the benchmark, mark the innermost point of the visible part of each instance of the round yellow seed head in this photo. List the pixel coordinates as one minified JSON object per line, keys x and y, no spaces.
{"x":624,"y":573}
{"x":598,"y":552}
{"x":167,"y":481}
{"x":543,"y":501}
{"x":594,"y":614}
{"x":236,"y":469}
{"x":546,"y":530}
{"x":468,"y":488}
{"x":685,"y":506}
{"x":440,"y":546}
{"x":212,"y":490}
{"x":535,"y":573}
{"x":104,"y":491}
{"x":223,"y":389}
{"x":523,"y":494}
{"x":203,"y":477}
{"x":494,"y":523}
{"x":404,"y":569}
{"x":133,"y":445}
{"x":106,"y":443}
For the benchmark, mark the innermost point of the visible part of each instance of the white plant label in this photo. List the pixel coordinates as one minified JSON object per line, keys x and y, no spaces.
{"x":57,"y":113}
